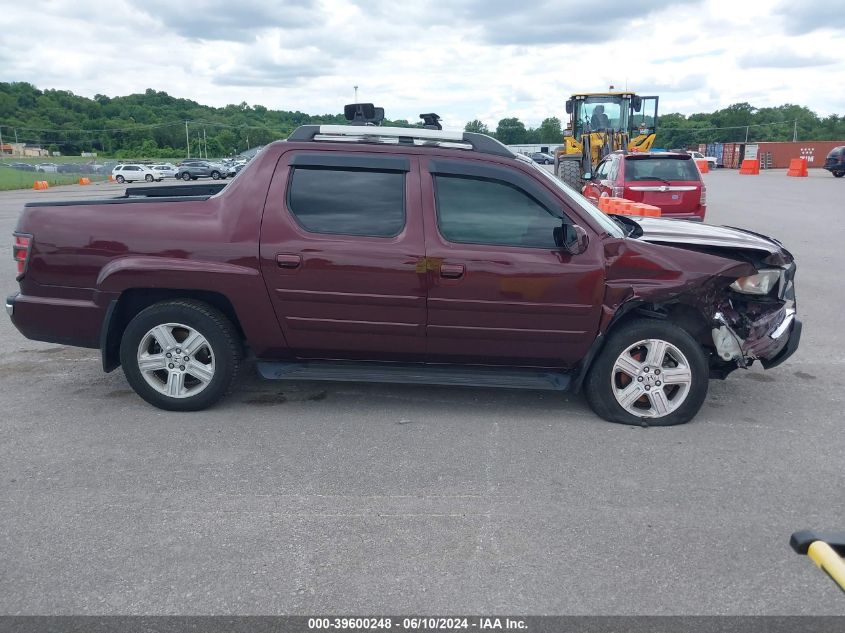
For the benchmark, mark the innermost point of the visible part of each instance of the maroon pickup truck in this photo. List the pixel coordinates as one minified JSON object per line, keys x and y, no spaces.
{"x":417,"y":256}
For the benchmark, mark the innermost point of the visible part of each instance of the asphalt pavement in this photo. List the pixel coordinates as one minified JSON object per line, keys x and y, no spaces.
{"x":312,"y":498}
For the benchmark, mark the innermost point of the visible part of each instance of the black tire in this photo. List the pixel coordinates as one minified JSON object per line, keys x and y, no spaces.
{"x":120,"y":179}
{"x":215,"y":175}
{"x":186,"y":176}
{"x":838,"y":174}
{"x":598,"y":388}
{"x":148,"y":177}
{"x":222,"y":338}
{"x":569,"y":171}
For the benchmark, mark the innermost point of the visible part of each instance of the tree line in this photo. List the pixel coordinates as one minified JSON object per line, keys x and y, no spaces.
{"x":152,"y":124}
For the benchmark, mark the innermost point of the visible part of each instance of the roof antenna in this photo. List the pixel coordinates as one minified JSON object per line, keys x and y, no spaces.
{"x":431,"y":121}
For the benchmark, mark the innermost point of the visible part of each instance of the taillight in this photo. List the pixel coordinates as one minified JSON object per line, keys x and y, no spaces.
{"x":20,"y":252}
{"x":703,"y":201}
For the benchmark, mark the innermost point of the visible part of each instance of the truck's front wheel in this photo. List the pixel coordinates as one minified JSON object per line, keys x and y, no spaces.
{"x":569,"y":171}
{"x":651,"y":372}
{"x":180,"y":355}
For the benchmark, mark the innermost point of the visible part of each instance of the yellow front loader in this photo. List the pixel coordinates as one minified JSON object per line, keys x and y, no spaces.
{"x":601,"y":123}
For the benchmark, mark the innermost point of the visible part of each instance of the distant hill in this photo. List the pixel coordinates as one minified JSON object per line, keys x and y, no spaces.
{"x":150,"y":124}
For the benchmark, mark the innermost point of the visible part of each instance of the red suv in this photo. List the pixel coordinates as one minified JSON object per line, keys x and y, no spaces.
{"x":667,"y":180}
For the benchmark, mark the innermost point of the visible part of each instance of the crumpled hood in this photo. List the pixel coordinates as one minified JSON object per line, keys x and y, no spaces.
{"x":699,"y":234}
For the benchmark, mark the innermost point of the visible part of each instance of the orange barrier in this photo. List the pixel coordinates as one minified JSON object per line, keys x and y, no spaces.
{"x":84,"y":181}
{"x":750,"y":167}
{"x":621,"y":206}
{"x":111,"y":178}
{"x":703,"y":166}
{"x":601,"y":203}
{"x":40,"y":184}
{"x":797,"y":167}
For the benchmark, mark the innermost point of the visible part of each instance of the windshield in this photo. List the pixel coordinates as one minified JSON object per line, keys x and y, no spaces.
{"x":665,"y":168}
{"x":607,"y":225}
{"x":601,"y":112}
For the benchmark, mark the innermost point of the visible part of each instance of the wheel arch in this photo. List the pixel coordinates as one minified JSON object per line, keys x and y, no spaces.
{"x":133,"y":300}
{"x":684,"y":315}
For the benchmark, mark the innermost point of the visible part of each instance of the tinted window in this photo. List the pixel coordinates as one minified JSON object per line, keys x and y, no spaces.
{"x":660,"y":169}
{"x":477,"y":211}
{"x":348,"y":201}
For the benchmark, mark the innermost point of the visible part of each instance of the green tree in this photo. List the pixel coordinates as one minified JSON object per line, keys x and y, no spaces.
{"x":511,"y":131}
{"x":476,"y":126}
{"x":551,"y":131}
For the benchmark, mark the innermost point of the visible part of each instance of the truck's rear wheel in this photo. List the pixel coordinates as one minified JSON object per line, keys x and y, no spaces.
{"x":569,"y":171}
{"x":650,"y":372}
{"x":180,"y":355}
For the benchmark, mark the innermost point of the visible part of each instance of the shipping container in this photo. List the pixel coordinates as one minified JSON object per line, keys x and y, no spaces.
{"x":776,"y":155}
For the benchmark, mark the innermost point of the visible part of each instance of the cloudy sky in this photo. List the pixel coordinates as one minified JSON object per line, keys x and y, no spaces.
{"x":464,"y":59}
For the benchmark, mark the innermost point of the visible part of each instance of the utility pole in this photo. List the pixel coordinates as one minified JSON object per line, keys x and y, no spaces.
{"x":205,"y":142}
{"x":187,"y":139}
{"x":795,"y":131}
{"x":746,"y":133}
{"x":2,"y":153}
{"x":356,"y":93}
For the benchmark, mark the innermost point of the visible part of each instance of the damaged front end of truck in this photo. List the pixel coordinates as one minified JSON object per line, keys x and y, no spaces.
{"x":733,"y":290}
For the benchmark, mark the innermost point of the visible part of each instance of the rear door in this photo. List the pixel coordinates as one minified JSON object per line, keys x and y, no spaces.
{"x":500,"y":289}
{"x":342,"y":255}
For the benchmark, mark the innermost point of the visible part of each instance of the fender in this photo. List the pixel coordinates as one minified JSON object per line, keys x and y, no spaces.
{"x":135,"y":272}
{"x":242,"y":285}
{"x":640,"y":273}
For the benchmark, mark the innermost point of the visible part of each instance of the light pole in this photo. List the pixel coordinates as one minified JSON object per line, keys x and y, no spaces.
{"x":356,"y":93}
{"x":187,"y":139}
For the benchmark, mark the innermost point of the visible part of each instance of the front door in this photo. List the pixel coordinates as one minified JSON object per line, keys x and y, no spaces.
{"x":501,"y":291}
{"x":342,"y":255}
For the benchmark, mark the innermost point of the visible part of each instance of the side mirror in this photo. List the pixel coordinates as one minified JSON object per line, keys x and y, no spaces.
{"x":569,"y":106}
{"x":572,"y":238}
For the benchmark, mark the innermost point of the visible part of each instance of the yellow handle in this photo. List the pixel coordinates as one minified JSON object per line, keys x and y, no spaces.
{"x":828,"y":561}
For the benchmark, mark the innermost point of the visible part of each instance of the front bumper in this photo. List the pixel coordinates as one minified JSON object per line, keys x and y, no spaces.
{"x":788,"y":349}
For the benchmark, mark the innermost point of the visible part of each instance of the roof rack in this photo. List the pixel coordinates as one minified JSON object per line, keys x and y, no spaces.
{"x":377,"y":134}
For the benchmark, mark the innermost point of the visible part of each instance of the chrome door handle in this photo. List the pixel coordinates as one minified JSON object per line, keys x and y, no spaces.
{"x":452,"y":271}
{"x":284,"y":260}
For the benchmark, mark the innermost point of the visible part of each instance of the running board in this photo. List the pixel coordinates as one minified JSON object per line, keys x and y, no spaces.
{"x":417,"y":374}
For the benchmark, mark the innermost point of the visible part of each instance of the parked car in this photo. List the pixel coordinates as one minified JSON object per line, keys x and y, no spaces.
{"x":191,"y":170}
{"x":712,"y":161}
{"x":69,"y":168}
{"x":835,"y":161}
{"x":22,"y":166}
{"x":47,"y":167}
{"x":543,"y":158}
{"x":456,"y":262}
{"x":167,"y":170}
{"x":135,"y":171}
{"x":667,"y":180}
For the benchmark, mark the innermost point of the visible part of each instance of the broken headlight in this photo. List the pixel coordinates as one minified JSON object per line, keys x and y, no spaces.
{"x":759,"y":284}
